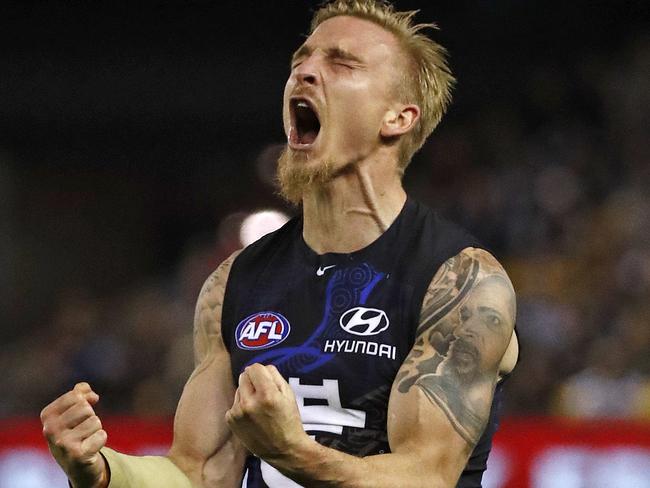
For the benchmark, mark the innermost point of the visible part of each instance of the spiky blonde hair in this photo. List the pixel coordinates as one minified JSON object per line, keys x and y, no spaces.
{"x":428,"y":81}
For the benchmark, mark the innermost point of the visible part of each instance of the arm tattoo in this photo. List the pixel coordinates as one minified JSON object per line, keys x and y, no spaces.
{"x":207,"y":317}
{"x":465,"y":326}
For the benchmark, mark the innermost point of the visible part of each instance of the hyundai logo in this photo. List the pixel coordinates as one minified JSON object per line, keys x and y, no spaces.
{"x":364,"y":321}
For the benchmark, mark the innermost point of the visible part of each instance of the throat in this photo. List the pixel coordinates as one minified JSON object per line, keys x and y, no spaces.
{"x":371,"y":201}
{"x":350,"y":220}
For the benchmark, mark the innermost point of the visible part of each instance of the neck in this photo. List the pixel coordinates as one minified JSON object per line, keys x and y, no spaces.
{"x":353,"y":209}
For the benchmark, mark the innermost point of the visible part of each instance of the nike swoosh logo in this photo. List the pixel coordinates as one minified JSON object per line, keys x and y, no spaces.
{"x":321,"y":271}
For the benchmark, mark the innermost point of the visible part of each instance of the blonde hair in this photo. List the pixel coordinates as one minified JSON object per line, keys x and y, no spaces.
{"x":428,"y":81}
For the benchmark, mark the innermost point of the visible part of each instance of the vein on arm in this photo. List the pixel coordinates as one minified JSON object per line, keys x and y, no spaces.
{"x":203,"y":445}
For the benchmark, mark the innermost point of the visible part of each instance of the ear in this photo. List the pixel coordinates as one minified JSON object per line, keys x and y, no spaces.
{"x":397,"y":123}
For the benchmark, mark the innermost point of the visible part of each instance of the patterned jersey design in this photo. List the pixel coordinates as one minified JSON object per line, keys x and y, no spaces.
{"x":346,"y":288}
{"x":338,"y":327}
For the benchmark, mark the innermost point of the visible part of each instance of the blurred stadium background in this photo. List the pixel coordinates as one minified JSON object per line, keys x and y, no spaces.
{"x":137,"y":138}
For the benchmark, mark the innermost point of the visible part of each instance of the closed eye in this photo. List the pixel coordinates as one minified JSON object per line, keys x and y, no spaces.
{"x":341,"y":57}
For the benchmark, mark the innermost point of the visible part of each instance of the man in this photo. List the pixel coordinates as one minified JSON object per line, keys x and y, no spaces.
{"x":359,"y":345}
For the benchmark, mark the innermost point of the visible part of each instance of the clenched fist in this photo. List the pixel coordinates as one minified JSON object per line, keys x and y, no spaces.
{"x":74,"y":435}
{"x":264,"y":415}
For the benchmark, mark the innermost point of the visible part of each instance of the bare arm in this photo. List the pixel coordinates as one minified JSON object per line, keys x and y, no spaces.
{"x":203,"y":446}
{"x":446,"y":385}
{"x":203,"y":452}
{"x":440,"y":400}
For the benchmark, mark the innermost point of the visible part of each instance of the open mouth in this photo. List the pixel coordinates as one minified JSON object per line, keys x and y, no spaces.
{"x":305,"y":123}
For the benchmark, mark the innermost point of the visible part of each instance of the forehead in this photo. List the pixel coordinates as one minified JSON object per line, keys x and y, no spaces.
{"x":495,"y":292}
{"x":357,"y":36}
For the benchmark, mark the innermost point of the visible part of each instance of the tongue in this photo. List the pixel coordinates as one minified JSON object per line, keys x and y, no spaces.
{"x":308,"y":137}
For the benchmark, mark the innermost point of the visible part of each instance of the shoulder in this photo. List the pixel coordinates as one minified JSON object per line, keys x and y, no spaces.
{"x":433,"y":218}
{"x":465,"y":326}
{"x":484,"y":265}
{"x":480,"y":260}
{"x":437,"y":237}
{"x":474,"y":286}
{"x":464,"y":273}
{"x":250,"y":264}
{"x":207,"y":316}
{"x":215,"y":284}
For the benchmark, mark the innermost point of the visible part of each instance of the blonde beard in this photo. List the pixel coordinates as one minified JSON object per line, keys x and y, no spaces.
{"x":296,"y":177}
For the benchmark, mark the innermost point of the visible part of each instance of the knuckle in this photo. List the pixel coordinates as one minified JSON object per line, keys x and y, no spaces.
{"x":75,"y":452}
{"x":233,"y":416}
{"x":246,"y":407}
{"x":87,"y":411}
{"x":99,"y":440}
{"x":266,"y":400}
{"x":95,"y":423}
{"x":51,"y":429}
{"x":230,"y":417}
{"x":60,"y":442}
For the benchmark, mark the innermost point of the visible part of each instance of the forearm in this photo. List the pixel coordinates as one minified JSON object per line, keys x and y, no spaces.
{"x":144,"y":471}
{"x":316,"y":466}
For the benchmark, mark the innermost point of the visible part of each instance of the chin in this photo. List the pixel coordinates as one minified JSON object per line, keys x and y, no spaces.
{"x":300,"y":171}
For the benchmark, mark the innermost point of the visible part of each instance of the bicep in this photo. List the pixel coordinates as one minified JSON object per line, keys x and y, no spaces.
{"x":443,"y":392}
{"x":202,"y":443}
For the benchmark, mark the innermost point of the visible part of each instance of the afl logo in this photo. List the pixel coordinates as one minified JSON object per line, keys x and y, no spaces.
{"x":364,"y":321}
{"x":262,"y":330}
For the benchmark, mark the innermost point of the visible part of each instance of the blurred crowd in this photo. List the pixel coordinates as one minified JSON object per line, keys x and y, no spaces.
{"x":556,"y":185}
{"x":566,"y":207}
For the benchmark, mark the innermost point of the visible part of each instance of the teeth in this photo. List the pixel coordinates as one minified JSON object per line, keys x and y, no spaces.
{"x":303,"y":105}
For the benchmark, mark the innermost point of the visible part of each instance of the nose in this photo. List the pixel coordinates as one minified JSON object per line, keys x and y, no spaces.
{"x":306,"y":78}
{"x":307,"y":71}
{"x":468,"y":322}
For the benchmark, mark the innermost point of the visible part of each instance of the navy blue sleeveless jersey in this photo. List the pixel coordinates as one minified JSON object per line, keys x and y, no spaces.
{"x":338,"y":327}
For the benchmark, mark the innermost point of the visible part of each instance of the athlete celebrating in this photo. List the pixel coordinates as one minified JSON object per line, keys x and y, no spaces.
{"x":362,"y":344}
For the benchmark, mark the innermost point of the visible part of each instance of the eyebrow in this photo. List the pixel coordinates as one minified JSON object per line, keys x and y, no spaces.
{"x":332,"y":52}
{"x":303,"y":50}
{"x":495,"y":311}
{"x":487,"y":308}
